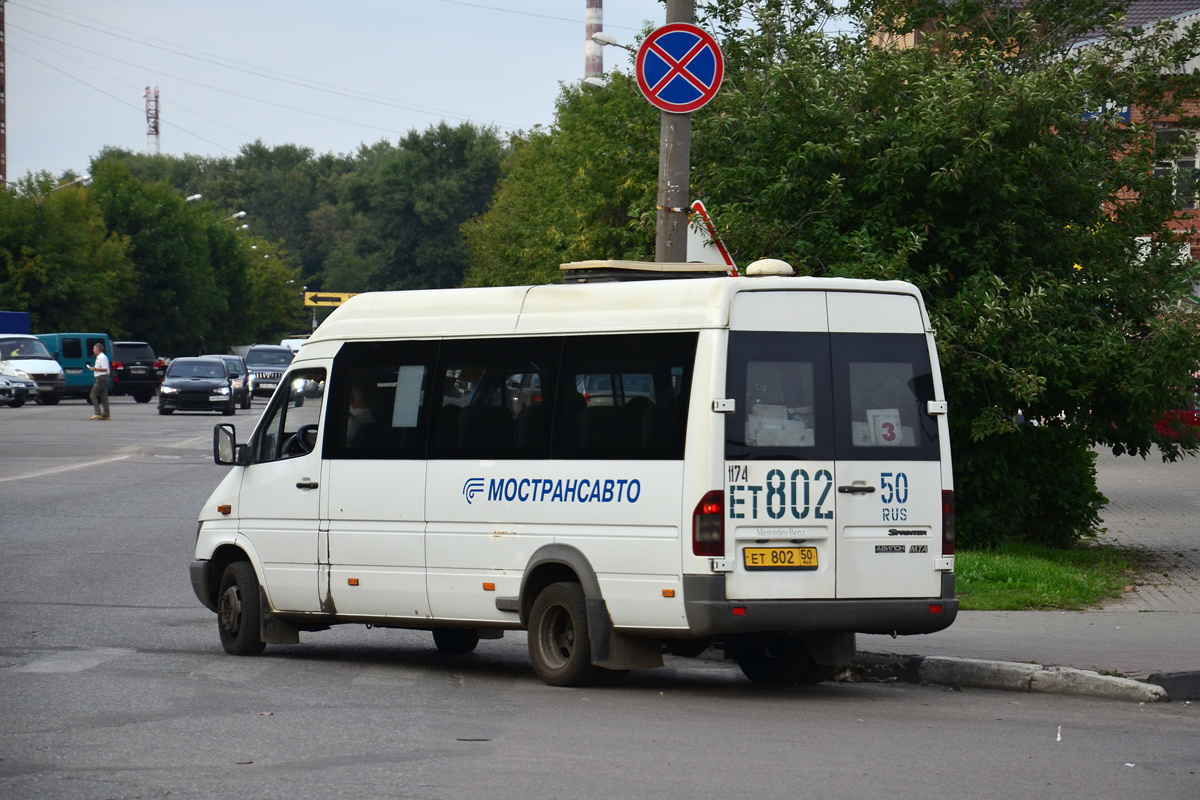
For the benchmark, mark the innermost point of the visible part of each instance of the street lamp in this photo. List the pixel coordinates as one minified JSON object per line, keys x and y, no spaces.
{"x":603,"y":38}
{"x":238,"y":215}
{"x":80,"y":179}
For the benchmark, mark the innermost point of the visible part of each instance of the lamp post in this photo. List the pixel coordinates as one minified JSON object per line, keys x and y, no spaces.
{"x":238,"y":215}
{"x":81,"y":179}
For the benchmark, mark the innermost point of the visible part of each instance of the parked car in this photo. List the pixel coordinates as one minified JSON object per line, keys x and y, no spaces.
{"x":196,"y":384}
{"x":14,"y":392}
{"x":266,"y":364}
{"x":27,"y":358}
{"x":238,"y":378}
{"x":73,"y":351}
{"x":1186,"y":418}
{"x":136,"y":370}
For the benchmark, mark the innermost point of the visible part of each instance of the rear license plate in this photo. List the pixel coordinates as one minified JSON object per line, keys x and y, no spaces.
{"x":799,"y":558}
{"x":137,"y":370}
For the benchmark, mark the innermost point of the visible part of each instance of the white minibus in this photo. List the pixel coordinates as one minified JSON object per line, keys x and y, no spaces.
{"x":622,"y":468}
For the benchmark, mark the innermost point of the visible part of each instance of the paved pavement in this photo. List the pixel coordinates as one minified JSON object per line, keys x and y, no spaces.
{"x":1153,"y":629}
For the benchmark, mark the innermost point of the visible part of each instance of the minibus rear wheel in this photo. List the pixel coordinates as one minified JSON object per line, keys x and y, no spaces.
{"x":774,"y":661}
{"x":455,"y":641}
{"x":558,"y":637}
{"x":238,"y":614}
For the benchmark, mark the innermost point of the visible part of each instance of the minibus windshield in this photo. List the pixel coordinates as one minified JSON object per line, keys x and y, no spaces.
{"x":24,"y":348}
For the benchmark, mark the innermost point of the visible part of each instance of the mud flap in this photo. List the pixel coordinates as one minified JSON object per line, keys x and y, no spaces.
{"x":273,"y":630}
{"x":612,"y":650}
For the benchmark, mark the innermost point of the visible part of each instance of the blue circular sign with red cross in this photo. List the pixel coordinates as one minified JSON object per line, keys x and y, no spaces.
{"x":679,"y":67}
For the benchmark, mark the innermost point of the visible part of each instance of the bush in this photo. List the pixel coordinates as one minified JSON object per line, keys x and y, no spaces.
{"x":1035,"y":484}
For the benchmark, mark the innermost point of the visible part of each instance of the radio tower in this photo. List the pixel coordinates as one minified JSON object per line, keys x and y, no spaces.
{"x":152,"y":121}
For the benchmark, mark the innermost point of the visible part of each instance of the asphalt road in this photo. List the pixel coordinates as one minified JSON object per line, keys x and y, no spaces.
{"x":113,"y":683}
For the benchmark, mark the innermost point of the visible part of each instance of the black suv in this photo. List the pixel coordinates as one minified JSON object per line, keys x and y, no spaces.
{"x":135,"y":370}
{"x":266,"y":364}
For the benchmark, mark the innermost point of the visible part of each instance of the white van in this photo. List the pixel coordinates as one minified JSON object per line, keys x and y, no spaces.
{"x":766,"y":471}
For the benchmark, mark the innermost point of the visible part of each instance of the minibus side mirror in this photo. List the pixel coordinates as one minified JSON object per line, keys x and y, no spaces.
{"x":226,"y":451}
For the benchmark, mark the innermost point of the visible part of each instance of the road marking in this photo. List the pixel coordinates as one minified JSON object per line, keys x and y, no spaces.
{"x":56,"y":470}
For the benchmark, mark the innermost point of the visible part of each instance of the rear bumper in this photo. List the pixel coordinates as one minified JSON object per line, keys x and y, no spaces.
{"x":710,"y":614}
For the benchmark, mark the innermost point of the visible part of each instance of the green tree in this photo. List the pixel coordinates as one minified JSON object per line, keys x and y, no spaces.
{"x":275,"y":293}
{"x":176,"y":301}
{"x":407,"y":205}
{"x":58,"y":259}
{"x":584,"y":189}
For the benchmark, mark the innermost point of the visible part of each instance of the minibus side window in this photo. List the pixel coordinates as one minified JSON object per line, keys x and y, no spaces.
{"x":379,"y":406}
{"x":779,"y":382}
{"x":291,"y":425}
{"x":491,"y":398}
{"x":72,"y":347}
{"x":624,"y":396}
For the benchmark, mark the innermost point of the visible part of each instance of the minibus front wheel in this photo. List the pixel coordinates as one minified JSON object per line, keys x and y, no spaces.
{"x":238,"y":613}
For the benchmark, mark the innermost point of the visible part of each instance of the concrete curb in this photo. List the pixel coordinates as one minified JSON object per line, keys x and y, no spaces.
{"x":1005,"y":675}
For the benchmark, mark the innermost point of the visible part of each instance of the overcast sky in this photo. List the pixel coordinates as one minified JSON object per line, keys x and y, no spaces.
{"x":325,"y":75}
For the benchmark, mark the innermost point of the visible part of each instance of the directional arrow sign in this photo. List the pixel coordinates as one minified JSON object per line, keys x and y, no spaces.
{"x":327,"y":298}
{"x":679,"y":67}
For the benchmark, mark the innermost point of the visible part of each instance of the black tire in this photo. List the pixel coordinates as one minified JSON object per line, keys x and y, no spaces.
{"x":246,"y":402}
{"x":17,"y":403}
{"x":230,"y":410}
{"x":143,"y":397}
{"x":455,"y":641}
{"x":49,"y":400}
{"x":238,"y":613}
{"x":772,"y":661}
{"x":558,"y":637}
{"x":165,"y":411}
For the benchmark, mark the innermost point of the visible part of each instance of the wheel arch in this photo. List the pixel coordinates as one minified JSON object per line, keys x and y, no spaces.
{"x":221,"y":558}
{"x":554,"y":563}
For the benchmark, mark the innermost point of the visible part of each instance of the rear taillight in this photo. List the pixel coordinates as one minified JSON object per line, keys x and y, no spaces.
{"x":708,"y":525}
{"x":118,"y":365}
{"x":158,"y":364}
{"x":948,"y":522}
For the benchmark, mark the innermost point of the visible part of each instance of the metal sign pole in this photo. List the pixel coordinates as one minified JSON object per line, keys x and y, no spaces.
{"x":674,"y":167}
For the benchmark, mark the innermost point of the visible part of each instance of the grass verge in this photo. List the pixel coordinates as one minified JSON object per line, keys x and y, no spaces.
{"x":1019,"y":577}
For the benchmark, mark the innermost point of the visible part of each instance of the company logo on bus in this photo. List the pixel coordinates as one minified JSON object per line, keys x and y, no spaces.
{"x":550,"y":490}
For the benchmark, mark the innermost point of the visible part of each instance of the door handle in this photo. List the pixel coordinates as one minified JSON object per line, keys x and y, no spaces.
{"x":307,"y":484}
{"x":855,"y":489}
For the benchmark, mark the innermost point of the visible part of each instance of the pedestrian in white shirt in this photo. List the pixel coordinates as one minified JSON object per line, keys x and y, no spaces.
{"x":99,"y":394}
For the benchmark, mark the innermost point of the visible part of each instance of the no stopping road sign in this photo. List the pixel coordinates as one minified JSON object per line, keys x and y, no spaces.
{"x":679,"y":67}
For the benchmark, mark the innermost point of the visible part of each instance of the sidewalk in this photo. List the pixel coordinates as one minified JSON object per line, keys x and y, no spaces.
{"x":1155,"y":629}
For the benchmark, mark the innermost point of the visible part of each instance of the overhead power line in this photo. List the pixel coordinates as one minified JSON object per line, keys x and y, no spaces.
{"x":139,"y":109}
{"x":251,"y":69}
{"x":225,"y":91}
